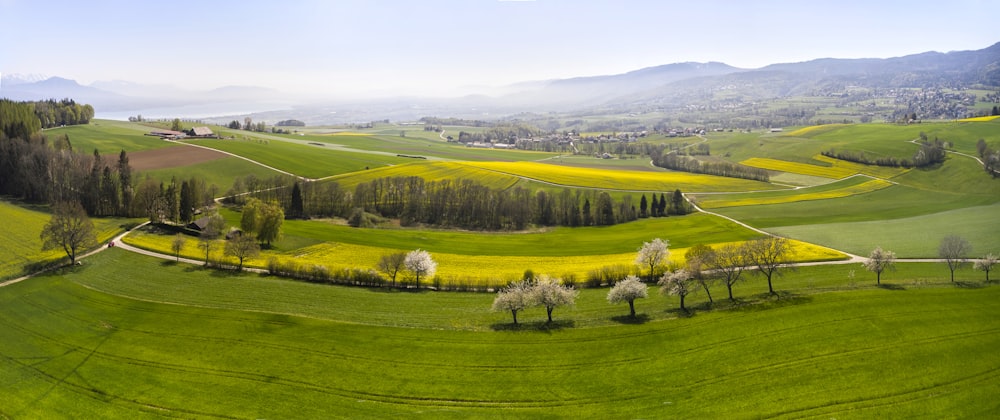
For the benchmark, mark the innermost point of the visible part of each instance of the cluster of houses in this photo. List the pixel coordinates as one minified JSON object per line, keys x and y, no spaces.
{"x":196,"y":132}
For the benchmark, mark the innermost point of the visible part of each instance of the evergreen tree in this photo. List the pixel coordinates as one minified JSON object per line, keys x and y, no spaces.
{"x":296,"y":209}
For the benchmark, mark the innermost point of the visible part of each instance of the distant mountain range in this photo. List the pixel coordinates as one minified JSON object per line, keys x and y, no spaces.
{"x":675,"y":84}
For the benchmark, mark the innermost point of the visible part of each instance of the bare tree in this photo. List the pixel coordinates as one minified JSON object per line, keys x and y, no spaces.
{"x":677,"y":283}
{"x":879,"y":261}
{"x":953,"y":249}
{"x":177,"y":245}
{"x":515,"y":297}
{"x":392,"y":264}
{"x":698,"y":258}
{"x":242,"y":247}
{"x":653,"y":254}
{"x":420,"y":263}
{"x":69,"y":229}
{"x":986,"y":264}
{"x":730,"y":261}
{"x":206,"y":240}
{"x":628,"y":290}
{"x":549,"y":293}
{"x":767,"y":255}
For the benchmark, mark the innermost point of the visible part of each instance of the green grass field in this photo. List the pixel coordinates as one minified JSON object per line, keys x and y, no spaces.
{"x":21,"y":245}
{"x":303,"y":160}
{"x":220,"y":172}
{"x":102,"y":341}
{"x":109,"y":137}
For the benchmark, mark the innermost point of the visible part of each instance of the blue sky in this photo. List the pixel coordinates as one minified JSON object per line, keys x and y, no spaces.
{"x":442,"y":47}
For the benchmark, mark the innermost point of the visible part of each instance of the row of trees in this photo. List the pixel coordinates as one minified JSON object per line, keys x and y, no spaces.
{"x":953,"y":249}
{"x":40,"y":171}
{"x":677,"y":162}
{"x":990,"y":158}
{"x":53,"y":113}
{"x":930,"y":153}
{"x":456,"y":203}
{"x":537,"y":291}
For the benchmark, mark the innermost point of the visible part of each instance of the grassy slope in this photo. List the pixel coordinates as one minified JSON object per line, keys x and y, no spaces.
{"x":109,"y":137}
{"x":76,"y":352}
{"x":21,"y":244}
{"x":302,"y":160}
{"x":912,"y":237}
{"x":221,"y":172}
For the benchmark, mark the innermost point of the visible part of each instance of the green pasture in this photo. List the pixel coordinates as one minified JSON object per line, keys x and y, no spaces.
{"x":416,"y":143}
{"x":911,"y":237}
{"x":303,"y":160}
{"x":109,"y":137}
{"x":220,"y":172}
{"x":713,"y":200}
{"x":21,"y":245}
{"x":126,"y":336}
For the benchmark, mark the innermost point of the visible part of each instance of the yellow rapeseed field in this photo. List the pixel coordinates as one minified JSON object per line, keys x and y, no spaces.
{"x":858,"y":168}
{"x":838,"y":169}
{"x":799,"y":168}
{"x":804,"y":131}
{"x":486,"y":270}
{"x":750,"y":200}
{"x":431,"y":171}
{"x":980,"y":119}
{"x":620,"y":180}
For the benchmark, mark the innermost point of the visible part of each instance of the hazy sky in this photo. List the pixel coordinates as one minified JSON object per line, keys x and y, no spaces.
{"x":439,"y":47}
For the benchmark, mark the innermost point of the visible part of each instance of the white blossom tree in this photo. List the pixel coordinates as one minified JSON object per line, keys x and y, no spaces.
{"x":677,"y":283}
{"x":420,"y":263}
{"x":986,"y":264}
{"x":628,"y":290}
{"x":879,"y":261}
{"x":515,"y":297}
{"x":653,"y":254}
{"x":549,"y":293}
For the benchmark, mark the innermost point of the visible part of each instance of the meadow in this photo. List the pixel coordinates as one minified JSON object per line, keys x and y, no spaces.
{"x":487,"y":259}
{"x":303,"y":160}
{"x":21,"y":245}
{"x":129,"y":336}
{"x":845,"y":188}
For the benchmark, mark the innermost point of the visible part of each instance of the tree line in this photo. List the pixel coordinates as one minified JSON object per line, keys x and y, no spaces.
{"x":675,"y":161}
{"x":53,"y":113}
{"x":990,"y":158}
{"x":455,"y":203}
{"x":930,"y":153}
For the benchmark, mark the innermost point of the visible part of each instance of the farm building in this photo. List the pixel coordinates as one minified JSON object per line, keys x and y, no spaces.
{"x":201,"y":132}
{"x":167,"y":134}
{"x":199,"y":225}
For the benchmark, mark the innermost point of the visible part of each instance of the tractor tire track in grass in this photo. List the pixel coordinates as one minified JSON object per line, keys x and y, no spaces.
{"x":896,"y":398}
{"x":840,"y":353}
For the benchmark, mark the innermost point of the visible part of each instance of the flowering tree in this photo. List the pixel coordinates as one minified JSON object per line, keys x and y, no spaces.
{"x":550,"y":294}
{"x":420,"y":263}
{"x":677,"y":283}
{"x":513,"y":298}
{"x":628,"y":290}
{"x":986,"y":264}
{"x":879,"y":261}
{"x":653,"y":254}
